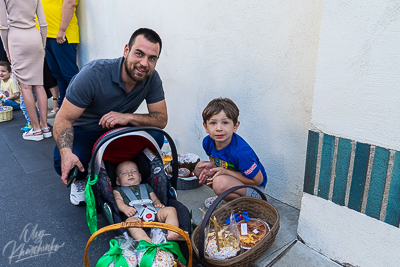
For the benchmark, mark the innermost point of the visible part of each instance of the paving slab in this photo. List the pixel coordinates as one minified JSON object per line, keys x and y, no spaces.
{"x":301,"y":255}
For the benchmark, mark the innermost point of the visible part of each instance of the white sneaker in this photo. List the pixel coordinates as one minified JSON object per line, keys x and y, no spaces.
{"x":77,"y":195}
{"x":53,"y":113}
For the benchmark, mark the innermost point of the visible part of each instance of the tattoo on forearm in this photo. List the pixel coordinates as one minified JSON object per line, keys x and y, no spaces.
{"x":154,"y":115}
{"x":66,"y":138}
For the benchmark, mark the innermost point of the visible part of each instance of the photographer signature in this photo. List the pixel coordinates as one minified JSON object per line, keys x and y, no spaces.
{"x":31,"y":244}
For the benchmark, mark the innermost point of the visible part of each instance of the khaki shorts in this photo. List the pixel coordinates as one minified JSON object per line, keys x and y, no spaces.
{"x":253,"y":193}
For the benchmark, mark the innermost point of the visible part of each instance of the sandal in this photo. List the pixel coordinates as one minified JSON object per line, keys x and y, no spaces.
{"x":46,"y":134}
{"x":31,"y":135}
{"x":52,"y":113}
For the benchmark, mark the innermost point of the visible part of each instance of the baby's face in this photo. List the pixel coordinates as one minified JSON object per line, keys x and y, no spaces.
{"x":128,"y":174}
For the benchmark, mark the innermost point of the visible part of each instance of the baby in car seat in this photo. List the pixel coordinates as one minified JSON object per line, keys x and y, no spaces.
{"x":139,"y":202}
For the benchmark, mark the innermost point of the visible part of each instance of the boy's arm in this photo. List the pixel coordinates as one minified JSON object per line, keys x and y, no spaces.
{"x":14,"y":96}
{"x":257,"y":180}
{"x":156,"y":202}
{"x":127,"y":210}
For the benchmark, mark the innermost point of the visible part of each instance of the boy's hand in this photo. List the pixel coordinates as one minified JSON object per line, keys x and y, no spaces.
{"x":159,"y":205}
{"x":215,"y":172}
{"x":129,"y":211}
{"x":206,"y":175}
{"x":218,"y":171}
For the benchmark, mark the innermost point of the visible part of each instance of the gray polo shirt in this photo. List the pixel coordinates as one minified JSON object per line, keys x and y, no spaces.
{"x":98,"y":89}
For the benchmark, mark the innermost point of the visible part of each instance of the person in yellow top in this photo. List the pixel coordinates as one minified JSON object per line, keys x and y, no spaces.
{"x":9,"y":88}
{"x":62,"y":41}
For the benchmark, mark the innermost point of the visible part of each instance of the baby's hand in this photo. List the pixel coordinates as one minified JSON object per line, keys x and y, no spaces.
{"x":159,"y":205}
{"x":129,"y":211}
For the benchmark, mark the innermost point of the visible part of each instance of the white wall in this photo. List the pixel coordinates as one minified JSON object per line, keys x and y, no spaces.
{"x":358,"y":82}
{"x":357,"y":97}
{"x":347,"y":236}
{"x":261,"y":54}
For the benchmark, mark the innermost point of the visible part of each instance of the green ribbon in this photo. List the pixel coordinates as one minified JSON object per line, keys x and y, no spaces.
{"x":114,"y":254}
{"x":151,"y":250}
{"x":91,"y":214}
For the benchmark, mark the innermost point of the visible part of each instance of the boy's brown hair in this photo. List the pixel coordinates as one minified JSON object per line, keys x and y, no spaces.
{"x":6,"y":65}
{"x":221,"y":104}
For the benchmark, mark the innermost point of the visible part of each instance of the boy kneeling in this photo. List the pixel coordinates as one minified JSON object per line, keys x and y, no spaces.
{"x":232,"y":161}
{"x":129,"y":178}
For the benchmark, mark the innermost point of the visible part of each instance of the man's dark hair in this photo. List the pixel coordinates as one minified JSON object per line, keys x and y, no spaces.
{"x":6,"y":64}
{"x":221,"y":104}
{"x":149,"y":34}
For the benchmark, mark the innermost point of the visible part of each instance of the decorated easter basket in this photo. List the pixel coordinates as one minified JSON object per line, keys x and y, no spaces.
{"x":6,"y":113}
{"x":139,"y":224}
{"x":187,"y":183}
{"x":256,"y":208}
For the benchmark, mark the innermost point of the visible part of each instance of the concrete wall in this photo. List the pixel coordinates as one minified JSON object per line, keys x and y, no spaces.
{"x":356,"y":99}
{"x":261,"y":54}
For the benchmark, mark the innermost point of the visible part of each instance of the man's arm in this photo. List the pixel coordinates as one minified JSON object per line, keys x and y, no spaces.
{"x":68,"y":8}
{"x":64,"y":136}
{"x":156,"y":117}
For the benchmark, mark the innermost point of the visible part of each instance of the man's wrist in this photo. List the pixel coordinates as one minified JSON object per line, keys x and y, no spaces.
{"x":65,"y":151}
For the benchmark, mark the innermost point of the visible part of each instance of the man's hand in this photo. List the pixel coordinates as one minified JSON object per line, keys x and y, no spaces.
{"x":113,"y":118}
{"x":129,"y":211}
{"x":68,"y":161}
{"x":61,"y":37}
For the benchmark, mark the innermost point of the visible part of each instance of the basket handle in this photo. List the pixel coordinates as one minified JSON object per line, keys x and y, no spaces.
{"x":139,"y":224}
{"x":211,"y":209}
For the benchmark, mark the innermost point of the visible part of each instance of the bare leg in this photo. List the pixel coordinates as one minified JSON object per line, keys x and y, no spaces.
{"x":56,"y":94}
{"x":30,"y":105}
{"x":168,"y":215}
{"x":137,"y":233}
{"x":42,"y":104}
{"x":223,"y":182}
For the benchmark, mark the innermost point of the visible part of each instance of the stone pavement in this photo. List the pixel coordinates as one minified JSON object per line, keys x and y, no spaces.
{"x":40,"y":227}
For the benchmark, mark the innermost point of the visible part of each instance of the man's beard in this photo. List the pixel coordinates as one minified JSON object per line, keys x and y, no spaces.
{"x":131,"y":73}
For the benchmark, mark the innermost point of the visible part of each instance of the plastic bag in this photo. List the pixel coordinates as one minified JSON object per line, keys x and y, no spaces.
{"x":162,"y":258}
{"x":122,"y":253}
{"x":227,"y":245}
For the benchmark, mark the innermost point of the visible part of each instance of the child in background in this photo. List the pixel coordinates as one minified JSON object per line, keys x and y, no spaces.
{"x":9,"y":87}
{"x":232,"y":161}
{"x":128,"y":176}
{"x":28,"y":125}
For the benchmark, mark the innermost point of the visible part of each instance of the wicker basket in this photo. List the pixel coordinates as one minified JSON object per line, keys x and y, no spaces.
{"x":6,"y":115}
{"x":188,"y":184}
{"x":256,"y":208}
{"x":140,"y":224}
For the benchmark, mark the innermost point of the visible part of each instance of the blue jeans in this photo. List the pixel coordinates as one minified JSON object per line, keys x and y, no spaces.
{"x":12,"y":103}
{"x":62,"y":62}
{"x":25,"y":112}
{"x":83,"y":145}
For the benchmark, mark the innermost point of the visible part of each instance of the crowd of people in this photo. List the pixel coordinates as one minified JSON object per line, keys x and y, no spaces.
{"x":103,"y":95}
{"x":37,"y":59}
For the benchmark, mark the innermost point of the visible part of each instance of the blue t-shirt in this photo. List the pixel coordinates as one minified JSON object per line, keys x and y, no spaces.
{"x":237,"y":156}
